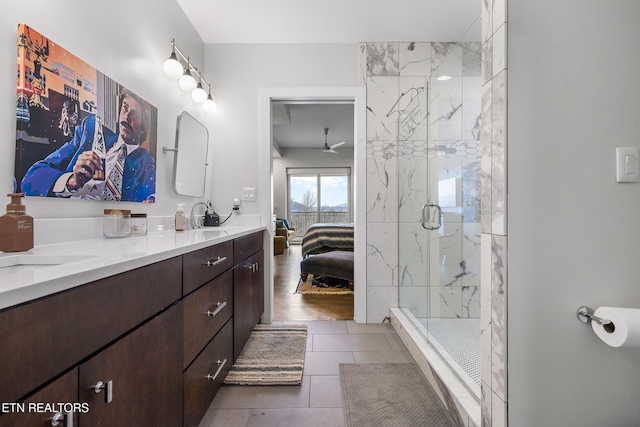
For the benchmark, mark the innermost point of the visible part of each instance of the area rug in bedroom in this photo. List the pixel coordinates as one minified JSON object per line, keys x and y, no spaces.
{"x":389,"y":395}
{"x":324,"y":285}
{"x":273,"y":355}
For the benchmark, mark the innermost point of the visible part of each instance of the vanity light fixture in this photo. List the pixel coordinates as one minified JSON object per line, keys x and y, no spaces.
{"x":178,"y":67}
{"x":172,"y":67}
{"x":187,"y":82}
{"x":209,"y":106}
{"x":199,"y":95}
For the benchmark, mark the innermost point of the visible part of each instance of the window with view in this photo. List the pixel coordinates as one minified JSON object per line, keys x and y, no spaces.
{"x":318,"y":195}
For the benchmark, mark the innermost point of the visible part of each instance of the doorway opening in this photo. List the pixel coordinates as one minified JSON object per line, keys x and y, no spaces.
{"x":312,"y":163}
{"x":281,"y":206}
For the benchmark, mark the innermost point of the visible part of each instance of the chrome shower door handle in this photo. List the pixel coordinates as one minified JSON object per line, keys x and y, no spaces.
{"x":438,"y":214}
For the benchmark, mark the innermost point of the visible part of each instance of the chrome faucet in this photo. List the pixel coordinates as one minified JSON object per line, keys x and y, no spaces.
{"x":195,"y":223}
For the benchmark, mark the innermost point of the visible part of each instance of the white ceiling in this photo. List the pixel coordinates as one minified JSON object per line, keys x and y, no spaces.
{"x":301,"y":125}
{"x":334,"y":21}
{"x":330,"y":21}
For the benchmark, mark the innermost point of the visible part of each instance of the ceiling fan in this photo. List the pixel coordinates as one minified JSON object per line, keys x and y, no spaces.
{"x":330,"y":148}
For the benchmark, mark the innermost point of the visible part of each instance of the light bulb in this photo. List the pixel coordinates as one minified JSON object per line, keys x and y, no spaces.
{"x":199,"y":95}
{"x":187,"y":83}
{"x":209,"y":106}
{"x":172,"y":67}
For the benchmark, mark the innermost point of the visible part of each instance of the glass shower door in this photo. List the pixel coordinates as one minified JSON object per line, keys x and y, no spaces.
{"x":453,"y":323}
{"x":439,"y":228}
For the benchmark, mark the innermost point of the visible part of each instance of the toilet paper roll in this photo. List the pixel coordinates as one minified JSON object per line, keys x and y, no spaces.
{"x":626,"y":326}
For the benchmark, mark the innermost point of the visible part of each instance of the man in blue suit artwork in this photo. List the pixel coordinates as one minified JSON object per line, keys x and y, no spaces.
{"x":113,"y":167}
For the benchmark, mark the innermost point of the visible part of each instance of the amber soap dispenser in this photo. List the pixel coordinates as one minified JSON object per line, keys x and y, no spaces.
{"x":16,"y":227}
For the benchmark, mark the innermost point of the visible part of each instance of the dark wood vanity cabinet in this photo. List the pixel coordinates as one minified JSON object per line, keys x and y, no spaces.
{"x":219,"y":315}
{"x":148,"y":347}
{"x":122,"y":330}
{"x":233,"y":302}
{"x":46,"y":337}
{"x":135,"y":381}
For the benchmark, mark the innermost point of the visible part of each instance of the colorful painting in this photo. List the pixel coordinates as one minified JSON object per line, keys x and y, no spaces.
{"x":79,"y":134}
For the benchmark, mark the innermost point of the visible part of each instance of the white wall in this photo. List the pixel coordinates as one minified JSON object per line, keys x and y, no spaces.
{"x":303,"y":157}
{"x":238,"y":71}
{"x":573,"y":233}
{"x":128,"y":41}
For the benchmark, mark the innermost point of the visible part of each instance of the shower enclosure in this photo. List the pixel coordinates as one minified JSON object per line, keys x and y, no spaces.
{"x":438,"y":155}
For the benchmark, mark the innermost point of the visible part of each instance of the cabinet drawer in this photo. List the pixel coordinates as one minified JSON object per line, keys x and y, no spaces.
{"x":205,"y":312}
{"x":205,"y":264}
{"x":57,"y":332}
{"x":245,"y":246}
{"x":200,"y":382}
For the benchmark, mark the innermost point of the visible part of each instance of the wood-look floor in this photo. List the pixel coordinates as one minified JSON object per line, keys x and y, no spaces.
{"x":287,"y":305}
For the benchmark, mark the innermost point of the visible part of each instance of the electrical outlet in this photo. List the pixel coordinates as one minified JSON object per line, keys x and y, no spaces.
{"x":249,"y":194}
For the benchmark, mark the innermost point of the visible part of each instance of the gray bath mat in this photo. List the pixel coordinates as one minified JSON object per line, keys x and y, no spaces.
{"x":389,"y":395}
{"x":273,"y":355}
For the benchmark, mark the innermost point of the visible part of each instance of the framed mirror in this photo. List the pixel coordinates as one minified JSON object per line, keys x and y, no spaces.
{"x":190,"y":161}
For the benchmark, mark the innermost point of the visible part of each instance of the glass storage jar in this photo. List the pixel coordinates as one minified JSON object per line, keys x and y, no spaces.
{"x":117,"y":223}
{"x":138,"y":224}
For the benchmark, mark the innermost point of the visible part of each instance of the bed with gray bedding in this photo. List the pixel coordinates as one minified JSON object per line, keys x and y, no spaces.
{"x":324,"y":237}
{"x":327,"y":249}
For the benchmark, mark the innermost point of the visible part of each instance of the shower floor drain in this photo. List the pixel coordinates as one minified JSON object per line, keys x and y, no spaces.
{"x":460,"y":338}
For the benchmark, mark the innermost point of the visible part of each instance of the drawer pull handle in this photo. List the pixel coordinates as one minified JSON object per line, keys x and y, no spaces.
{"x":219,"y":306}
{"x":220,"y":366}
{"x":107,"y":387}
{"x":253,"y":267}
{"x":216,"y":262}
{"x":58,"y":417}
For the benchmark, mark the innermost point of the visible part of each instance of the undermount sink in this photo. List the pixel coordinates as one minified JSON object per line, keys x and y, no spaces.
{"x":27,"y":261}
{"x":211,"y":230}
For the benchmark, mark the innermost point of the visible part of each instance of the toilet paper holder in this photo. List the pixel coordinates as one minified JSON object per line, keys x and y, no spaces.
{"x":585,"y":315}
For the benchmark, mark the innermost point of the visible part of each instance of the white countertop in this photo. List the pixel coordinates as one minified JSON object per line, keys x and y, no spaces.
{"x":80,"y":262}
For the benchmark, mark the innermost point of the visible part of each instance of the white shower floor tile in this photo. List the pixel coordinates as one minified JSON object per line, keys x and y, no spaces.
{"x":460,"y":338}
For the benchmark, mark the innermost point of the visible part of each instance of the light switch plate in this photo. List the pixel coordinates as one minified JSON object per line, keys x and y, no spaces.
{"x":249,"y":194}
{"x":627,"y":164}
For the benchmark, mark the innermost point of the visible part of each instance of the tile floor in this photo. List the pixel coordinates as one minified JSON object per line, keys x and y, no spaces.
{"x":318,"y":401}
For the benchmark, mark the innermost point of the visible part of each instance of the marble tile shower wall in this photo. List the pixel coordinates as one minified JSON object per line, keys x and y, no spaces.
{"x":435,"y":140}
{"x":493,"y":319}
